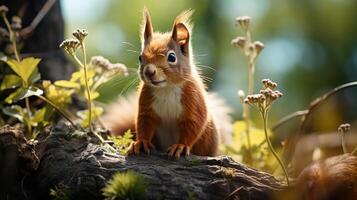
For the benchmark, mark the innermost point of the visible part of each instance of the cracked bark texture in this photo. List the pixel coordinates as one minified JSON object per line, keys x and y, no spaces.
{"x":71,"y":158}
{"x":17,"y":160}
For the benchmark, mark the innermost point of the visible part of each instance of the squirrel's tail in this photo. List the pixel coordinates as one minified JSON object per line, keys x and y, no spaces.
{"x":120,"y":115}
{"x":220,"y":112}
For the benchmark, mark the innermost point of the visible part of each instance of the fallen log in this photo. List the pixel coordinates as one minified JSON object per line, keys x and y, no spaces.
{"x":76,"y":161}
{"x":72,"y":158}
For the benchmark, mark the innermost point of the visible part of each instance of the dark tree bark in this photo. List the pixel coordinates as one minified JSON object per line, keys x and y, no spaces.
{"x":17,"y":160}
{"x":73,"y":159}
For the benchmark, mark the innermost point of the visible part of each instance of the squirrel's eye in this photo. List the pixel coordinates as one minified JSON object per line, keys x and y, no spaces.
{"x":140,"y":58}
{"x":171,"y":57}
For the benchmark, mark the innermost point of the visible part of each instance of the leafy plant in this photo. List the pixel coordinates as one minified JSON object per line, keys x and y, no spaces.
{"x":88,"y":79}
{"x":23,"y":80}
{"x":122,"y":142}
{"x":126,"y":185}
{"x":25,"y":75}
{"x":258,"y":150}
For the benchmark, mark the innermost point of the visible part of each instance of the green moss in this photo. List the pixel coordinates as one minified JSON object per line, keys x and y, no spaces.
{"x":126,"y":185}
{"x":228,"y":173}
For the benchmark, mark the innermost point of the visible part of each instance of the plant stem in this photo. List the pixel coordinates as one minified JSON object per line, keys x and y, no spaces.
{"x":344,"y":148}
{"x":28,"y":108}
{"x":87,"y":86}
{"x":265,"y":119}
{"x":250,"y":91}
{"x":14,"y":46}
{"x":78,"y":61}
{"x":57,"y":109}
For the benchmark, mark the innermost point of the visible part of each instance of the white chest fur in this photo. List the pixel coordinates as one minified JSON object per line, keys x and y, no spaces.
{"x":167,"y":102}
{"x":167,"y":105}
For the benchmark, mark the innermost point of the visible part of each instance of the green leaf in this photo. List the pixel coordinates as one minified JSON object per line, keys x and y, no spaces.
{"x":10,"y":81}
{"x":24,"y":68}
{"x":22,"y":93}
{"x":40,"y":116}
{"x":14,"y":111}
{"x":35,"y":76}
{"x":67,"y":84}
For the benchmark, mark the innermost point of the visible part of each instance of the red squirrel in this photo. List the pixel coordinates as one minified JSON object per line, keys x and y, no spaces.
{"x":174,"y":113}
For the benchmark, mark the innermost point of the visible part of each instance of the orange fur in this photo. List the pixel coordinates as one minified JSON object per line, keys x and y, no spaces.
{"x":330,"y":179}
{"x":172,"y":106}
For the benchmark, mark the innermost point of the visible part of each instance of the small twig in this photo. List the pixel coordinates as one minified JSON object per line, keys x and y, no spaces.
{"x":57,"y":109}
{"x":313,"y":105}
{"x":233,"y":193}
{"x":288,"y":118}
{"x":40,"y":15}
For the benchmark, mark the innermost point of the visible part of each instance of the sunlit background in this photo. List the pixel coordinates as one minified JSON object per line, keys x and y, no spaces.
{"x":310,"y":46}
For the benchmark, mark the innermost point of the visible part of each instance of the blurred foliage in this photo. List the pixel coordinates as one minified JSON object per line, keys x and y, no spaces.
{"x":303,"y":39}
{"x":258,"y":155}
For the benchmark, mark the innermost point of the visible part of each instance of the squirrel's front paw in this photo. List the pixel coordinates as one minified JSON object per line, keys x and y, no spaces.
{"x":136,"y":146}
{"x":177,"y":149}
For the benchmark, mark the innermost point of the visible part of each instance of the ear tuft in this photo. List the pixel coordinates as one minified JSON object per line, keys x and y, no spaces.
{"x":181,"y":30}
{"x":146,"y":27}
{"x":185,"y":18}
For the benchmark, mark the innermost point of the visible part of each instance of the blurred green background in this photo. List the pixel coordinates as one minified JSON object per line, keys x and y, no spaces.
{"x":310,"y":46}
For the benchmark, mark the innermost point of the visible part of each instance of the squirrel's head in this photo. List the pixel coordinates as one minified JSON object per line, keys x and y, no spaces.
{"x":165,"y":58}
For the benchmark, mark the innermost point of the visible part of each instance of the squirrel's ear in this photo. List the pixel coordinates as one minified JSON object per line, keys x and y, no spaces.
{"x":146,"y":28}
{"x":181,"y":30}
{"x":181,"y":35}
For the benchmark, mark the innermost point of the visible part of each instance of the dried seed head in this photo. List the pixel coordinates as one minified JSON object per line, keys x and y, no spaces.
{"x":278,"y":93}
{"x":267,"y":83}
{"x":344,"y":128}
{"x":244,"y":22}
{"x":120,"y":68}
{"x":16,"y":23}
{"x":3,"y":9}
{"x":258,"y":46}
{"x":239,"y":42}
{"x":80,"y":34}
{"x":241,"y":94}
{"x":251,"y":48}
{"x":100,"y":61}
{"x":254,"y":98}
{"x":70,"y":46}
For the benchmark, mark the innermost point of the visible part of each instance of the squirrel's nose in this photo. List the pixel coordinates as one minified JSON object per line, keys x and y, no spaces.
{"x":150,"y":72}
